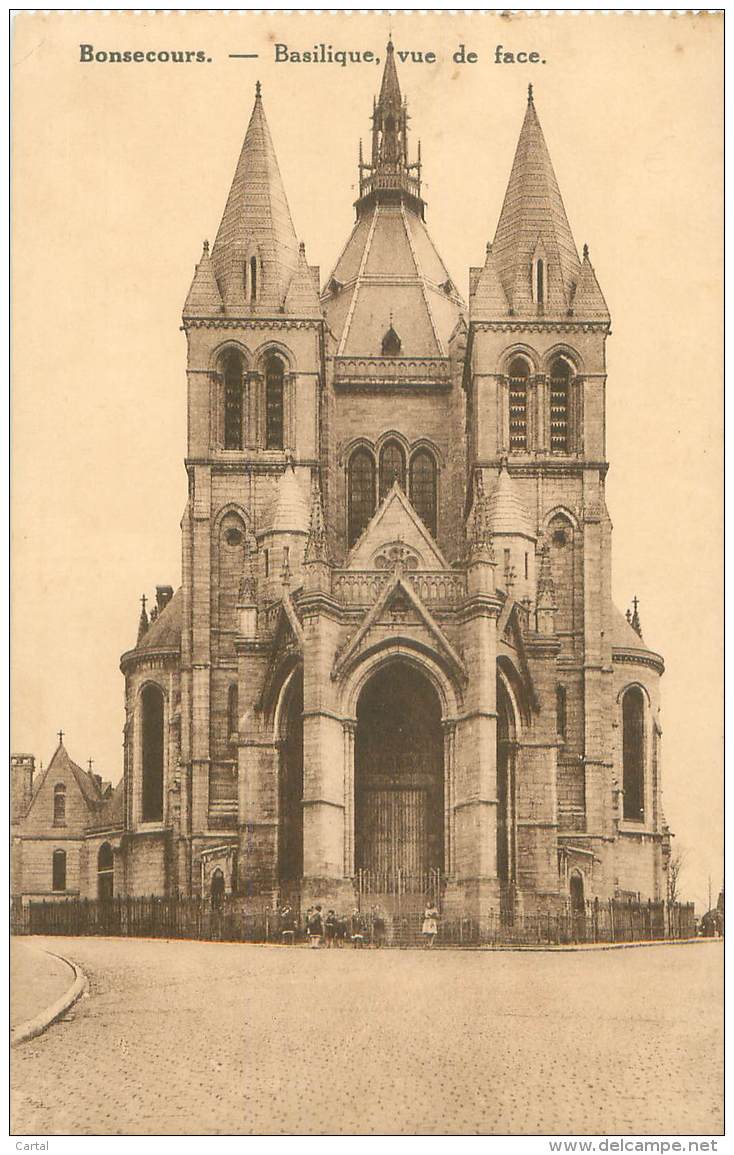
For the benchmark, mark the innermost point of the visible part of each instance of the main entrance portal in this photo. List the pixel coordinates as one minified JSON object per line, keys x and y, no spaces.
{"x":399,"y":811}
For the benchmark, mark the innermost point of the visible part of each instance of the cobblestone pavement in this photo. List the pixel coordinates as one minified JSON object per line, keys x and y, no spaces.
{"x":217,"y":1037}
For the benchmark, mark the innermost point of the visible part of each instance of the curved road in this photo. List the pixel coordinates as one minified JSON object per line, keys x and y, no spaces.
{"x":188,"y":1037}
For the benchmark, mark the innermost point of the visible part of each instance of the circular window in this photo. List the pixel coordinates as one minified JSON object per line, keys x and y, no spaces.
{"x":233,"y":537}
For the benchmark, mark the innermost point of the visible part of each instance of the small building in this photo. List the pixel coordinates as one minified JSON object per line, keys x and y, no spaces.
{"x":66,"y":824}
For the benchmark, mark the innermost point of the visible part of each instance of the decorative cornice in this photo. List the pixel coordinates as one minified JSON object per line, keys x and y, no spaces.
{"x":536,"y":326}
{"x":639,"y":658}
{"x":249,"y":323}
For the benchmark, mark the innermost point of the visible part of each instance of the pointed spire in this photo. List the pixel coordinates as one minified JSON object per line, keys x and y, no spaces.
{"x":588,"y":299}
{"x":533,"y":212}
{"x":317,"y":547}
{"x":546,"y":591}
{"x":634,"y":621}
{"x":143,"y":620}
{"x":203,"y":297}
{"x":488,"y":300}
{"x":256,"y":224}
{"x":248,"y":583}
{"x":389,"y":167}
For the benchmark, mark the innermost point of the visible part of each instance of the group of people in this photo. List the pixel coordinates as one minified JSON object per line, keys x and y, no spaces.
{"x":359,"y":928}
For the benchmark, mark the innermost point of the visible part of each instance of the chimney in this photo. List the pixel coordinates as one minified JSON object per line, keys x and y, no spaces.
{"x":22,"y":767}
{"x":163,"y":595}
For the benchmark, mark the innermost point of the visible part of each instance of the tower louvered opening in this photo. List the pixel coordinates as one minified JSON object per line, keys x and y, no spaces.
{"x":518,"y":383}
{"x":560,"y":391}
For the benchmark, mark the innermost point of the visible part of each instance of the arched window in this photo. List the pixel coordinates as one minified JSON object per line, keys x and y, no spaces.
{"x":233,"y":368}
{"x":217,"y":888}
{"x":105,"y":872}
{"x":232,"y":711}
{"x":576,"y":886}
{"x":360,"y":492}
{"x":561,"y":720}
{"x":392,"y":467}
{"x":633,"y":754}
{"x":423,"y":488}
{"x":560,"y":535}
{"x":253,"y":280}
{"x":59,"y":804}
{"x":274,"y":376}
{"x":58,"y":870}
{"x":560,"y":399}
{"x":518,"y":382}
{"x":152,"y":725}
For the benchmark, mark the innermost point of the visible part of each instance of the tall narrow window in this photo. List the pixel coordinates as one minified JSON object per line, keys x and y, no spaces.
{"x":232,"y":711}
{"x":392,"y":467}
{"x":253,"y":280}
{"x":152,"y":725}
{"x":105,"y":872}
{"x":274,"y":375}
{"x":59,"y":804}
{"x":233,"y":372}
{"x":560,"y":396}
{"x":58,"y":870}
{"x":633,"y":754}
{"x":540,"y":281}
{"x":518,"y":381}
{"x":423,"y":488}
{"x":561,"y":722}
{"x":361,"y":492}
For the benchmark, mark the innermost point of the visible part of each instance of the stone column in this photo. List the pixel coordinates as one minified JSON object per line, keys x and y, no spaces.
{"x":350,"y":730}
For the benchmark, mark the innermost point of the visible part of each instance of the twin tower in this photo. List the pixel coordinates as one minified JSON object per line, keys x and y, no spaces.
{"x":394,"y":663}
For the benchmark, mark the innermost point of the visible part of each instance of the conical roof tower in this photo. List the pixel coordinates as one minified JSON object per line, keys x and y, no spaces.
{"x":256,"y":259}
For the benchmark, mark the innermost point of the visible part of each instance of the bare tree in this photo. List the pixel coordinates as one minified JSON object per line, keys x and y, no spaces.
{"x":675,"y":868}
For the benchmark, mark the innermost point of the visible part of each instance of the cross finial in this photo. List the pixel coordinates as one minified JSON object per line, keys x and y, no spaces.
{"x":635,"y":603}
{"x":258,"y":89}
{"x":586,"y":252}
{"x":90,"y":764}
{"x":206,"y":247}
{"x":61,"y":737}
{"x":143,"y":602}
{"x":530,"y":94}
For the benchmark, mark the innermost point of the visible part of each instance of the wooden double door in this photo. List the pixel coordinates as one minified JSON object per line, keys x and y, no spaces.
{"x":399,"y":811}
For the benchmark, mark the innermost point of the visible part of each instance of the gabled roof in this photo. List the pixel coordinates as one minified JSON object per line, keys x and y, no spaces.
{"x":256,"y":222}
{"x":624,"y":637}
{"x":61,"y":765}
{"x":112,"y":811}
{"x":396,"y":520}
{"x":532,"y":219}
{"x":588,"y":300}
{"x":204,"y":297}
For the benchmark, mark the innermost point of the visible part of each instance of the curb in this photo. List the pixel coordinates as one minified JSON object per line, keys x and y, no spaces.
{"x":36,"y":1026}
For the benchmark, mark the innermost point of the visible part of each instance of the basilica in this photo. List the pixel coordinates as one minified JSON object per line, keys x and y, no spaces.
{"x":393,"y":664}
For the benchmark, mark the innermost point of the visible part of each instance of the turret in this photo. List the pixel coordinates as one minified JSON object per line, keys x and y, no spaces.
{"x":285,"y":528}
{"x":513,"y":538}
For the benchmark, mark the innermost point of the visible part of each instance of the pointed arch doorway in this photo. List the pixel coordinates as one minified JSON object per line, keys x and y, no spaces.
{"x":398,"y":776}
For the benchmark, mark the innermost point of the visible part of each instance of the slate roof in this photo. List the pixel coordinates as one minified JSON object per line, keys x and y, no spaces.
{"x":290,"y":508}
{"x":62,"y":764}
{"x":165,"y":632}
{"x":256,"y":222}
{"x":390,"y":273}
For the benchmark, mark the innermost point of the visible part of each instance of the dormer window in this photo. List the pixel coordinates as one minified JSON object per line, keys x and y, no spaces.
{"x":391,"y":344}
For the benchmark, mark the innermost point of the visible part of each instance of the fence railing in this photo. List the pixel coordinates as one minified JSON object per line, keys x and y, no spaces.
{"x":233,"y":920}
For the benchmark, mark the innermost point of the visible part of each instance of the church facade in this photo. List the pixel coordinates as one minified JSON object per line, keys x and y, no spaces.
{"x":394,"y":661}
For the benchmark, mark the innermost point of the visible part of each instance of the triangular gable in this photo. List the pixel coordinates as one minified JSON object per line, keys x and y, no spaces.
{"x":401,"y":586}
{"x":396,"y":521}
{"x":60,"y":768}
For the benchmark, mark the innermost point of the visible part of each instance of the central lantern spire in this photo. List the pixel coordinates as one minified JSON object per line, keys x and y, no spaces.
{"x":389,"y":174}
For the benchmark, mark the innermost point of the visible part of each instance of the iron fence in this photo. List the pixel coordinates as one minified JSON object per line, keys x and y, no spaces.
{"x":233,"y":920}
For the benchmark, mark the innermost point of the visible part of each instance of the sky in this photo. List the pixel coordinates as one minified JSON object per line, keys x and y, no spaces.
{"x":120,"y":171}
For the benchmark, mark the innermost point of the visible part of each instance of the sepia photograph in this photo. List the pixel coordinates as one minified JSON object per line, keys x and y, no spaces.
{"x":366,"y":767}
